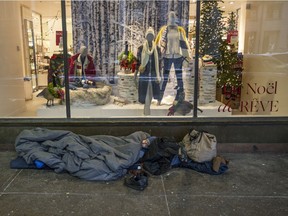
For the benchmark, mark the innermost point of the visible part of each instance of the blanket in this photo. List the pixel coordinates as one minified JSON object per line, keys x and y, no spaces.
{"x":99,"y":157}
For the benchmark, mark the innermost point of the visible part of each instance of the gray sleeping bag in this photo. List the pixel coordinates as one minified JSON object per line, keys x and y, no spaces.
{"x":99,"y":157}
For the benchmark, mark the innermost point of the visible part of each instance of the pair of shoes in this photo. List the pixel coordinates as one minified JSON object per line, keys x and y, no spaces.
{"x":139,"y":182}
{"x":217,"y":161}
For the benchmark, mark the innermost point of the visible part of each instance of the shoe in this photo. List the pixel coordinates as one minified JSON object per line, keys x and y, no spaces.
{"x":216,"y":162}
{"x":139,"y":182}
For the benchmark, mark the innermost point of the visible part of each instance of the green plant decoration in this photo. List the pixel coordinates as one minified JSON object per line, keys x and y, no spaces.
{"x":227,"y":74}
{"x":231,"y":22}
{"x":127,"y":61}
{"x":57,"y":91}
{"x":211,"y":28}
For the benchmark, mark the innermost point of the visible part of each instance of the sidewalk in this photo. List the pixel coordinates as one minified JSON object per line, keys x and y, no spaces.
{"x":255,"y":184}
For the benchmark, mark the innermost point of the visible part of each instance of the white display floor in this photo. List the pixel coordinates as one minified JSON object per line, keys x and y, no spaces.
{"x":112,"y":110}
{"x":129,"y":110}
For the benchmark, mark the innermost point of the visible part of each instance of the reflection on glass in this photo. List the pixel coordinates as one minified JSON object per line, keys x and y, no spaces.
{"x":265,"y":61}
{"x":251,"y":59}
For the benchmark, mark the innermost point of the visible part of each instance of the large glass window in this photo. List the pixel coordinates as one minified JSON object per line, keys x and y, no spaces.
{"x":137,"y":59}
{"x":129,"y":68}
{"x":244,"y":54}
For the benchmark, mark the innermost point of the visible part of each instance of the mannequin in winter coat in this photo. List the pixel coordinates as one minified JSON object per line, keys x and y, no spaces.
{"x":148,"y":56}
{"x":174,"y":49}
{"x":82,"y":67}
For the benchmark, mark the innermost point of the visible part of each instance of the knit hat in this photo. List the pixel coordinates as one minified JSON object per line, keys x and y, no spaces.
{"x":150,"y":30}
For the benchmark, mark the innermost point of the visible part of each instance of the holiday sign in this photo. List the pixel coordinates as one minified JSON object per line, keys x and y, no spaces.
{"x":256,"y":105}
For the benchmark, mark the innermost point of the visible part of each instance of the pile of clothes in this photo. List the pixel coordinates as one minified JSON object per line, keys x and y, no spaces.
{"x":104,"y":157}
{"x":161,"y":155}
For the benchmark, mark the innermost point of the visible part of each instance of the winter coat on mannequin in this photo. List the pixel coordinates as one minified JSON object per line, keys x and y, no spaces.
{"x":174,"y":49}
{"x":82,"y":66}
{"x":148,"y":56}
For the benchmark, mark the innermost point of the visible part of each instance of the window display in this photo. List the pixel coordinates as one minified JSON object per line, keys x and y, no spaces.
{"x":137,"y":59}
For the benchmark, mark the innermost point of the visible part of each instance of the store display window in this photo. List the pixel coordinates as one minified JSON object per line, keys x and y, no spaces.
{"x":139,"y":59}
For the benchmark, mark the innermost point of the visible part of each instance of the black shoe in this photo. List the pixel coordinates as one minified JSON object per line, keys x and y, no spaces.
{"x":139,"y":182}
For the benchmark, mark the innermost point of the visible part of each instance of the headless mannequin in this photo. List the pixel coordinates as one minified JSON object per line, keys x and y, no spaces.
{"x":149,"y":72}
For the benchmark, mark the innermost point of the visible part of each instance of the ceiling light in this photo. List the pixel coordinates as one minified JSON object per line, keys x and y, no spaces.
{"x":232,"y":2}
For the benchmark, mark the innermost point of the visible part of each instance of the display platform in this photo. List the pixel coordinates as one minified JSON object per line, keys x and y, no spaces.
{"x":127,"y":109}
{"x":112,"y":110}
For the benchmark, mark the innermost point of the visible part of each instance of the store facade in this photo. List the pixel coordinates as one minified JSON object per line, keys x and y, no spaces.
{"x":159,"y":66}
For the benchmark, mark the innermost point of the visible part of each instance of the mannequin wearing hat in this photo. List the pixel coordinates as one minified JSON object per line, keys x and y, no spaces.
{"x":148,"y":56}
{"x":82,"y":67}
{"x":174,"y":49}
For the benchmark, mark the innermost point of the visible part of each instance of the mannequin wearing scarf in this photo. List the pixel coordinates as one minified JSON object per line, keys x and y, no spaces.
{"x":175,"y":50}
{"x":148,"y":56}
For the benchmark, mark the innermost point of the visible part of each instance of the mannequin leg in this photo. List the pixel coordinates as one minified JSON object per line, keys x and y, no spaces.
{"x":164,"y":83}
{"x":180,"y":88}
{"x":142,"y":89}
{"x":167,"y":68}
{"x":156,"y":91}
{"x":148,"y":99}
{"x":178,"y":70}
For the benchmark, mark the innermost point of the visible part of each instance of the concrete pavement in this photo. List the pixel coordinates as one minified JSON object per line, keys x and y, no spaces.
{"x":255,"y":184}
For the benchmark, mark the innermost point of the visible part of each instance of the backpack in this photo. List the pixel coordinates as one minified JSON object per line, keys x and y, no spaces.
{"x":198,"y":146}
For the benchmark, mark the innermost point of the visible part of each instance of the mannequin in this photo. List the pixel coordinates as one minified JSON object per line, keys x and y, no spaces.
{"x":82,"y":68}
{"x":174,"y":49}
{"x":148,"y":56}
